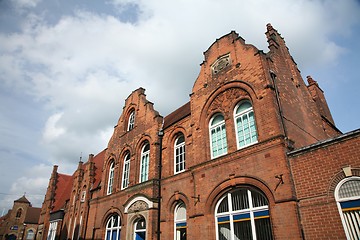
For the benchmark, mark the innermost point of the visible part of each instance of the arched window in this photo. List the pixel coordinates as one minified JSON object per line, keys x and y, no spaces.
{"x":131,"y":120}
{"x":126,"y":172}
{"x":179,"y":152}
{"x":347,"y":194}
{"x":30,"y":234}
{"x":180,"y":222}
{"x":245,"y":124}
{"x":243,"y":214}
{"x":218,"y":136}
{"x":18,"y":213}
{"x":111,"y":178}
{"x":140,"y":229}
{"x":113,"y":228}
{"x":52,"y":230}
{"x":144,"y":163}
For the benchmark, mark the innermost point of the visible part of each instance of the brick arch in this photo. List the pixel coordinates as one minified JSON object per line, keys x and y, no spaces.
{"x":111,"y":211}
{"x":173,"y":135}
{"x":174,"y":200}
{"x":337,"y":178}
{"x":233,"y":183}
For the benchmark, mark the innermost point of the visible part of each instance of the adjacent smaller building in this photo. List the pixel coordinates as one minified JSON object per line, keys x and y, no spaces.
{"x":21,"y":222}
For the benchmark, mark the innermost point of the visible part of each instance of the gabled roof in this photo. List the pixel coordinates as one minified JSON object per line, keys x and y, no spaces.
{"x":99,"y":161}
{"x":62,"y":191}
{"x":23,"y":199}
{"x":177,"y":115}
{"x":32,"y":215}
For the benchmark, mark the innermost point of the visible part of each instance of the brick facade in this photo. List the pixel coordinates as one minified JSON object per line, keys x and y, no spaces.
{"x":138,"y":173}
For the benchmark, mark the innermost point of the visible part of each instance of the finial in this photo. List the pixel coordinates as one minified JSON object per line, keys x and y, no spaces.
{"x":269,"y":26}
{"x":310,"y":80}
{"x":80,"y":157}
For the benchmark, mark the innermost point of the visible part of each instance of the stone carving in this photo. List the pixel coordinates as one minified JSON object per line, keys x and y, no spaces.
{"x":220,"y":64}
{"x":225,"y":100}
{"x":138,"y":206}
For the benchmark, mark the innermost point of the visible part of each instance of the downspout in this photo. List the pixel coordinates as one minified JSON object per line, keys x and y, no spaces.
{"x":160,"y":134}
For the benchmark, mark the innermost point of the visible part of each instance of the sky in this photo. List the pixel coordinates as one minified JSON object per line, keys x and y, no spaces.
{"x":66,"y":67}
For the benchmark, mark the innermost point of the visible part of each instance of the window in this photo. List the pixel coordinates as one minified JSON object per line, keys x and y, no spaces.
{"x":113,"y":228}
{"x":245,"y":124}
{"x":180,"y":222}
{"x":179,"y":164}
{"x":131,"y":121}
{"x":218,"y":136}
{"x":243,"y":214}
{"x":111,"y":178}
{"x":18,"y":213}
{"x":347,"y":194}
{"x":140,"y":229}
{"x":144,"y":165}
{"x":83,"y":196}
{"x":52,"y":231}
{"x":30,"y":234}
{"x":126,"y":172}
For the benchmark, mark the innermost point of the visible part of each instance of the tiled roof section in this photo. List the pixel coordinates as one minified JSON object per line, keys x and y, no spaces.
{"x":99,"y":161}
{"x":177,"y":115}
{"x":32,"y":215}
{"x":62,"y":191}
{"x":23,"y":199}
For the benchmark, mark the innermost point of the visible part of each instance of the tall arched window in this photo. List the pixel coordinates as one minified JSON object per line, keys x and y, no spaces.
{"x":243,"y":214}
{"x":111,"y":178}
{"x":131,"y":120}
{"x":218,"y":136}
{"x":347,"y":194}
{"x":179,"y":154}
{"x":113,"y":228}
{"x":126,"y":172}
{"x":144,"y":163}
{"x":245,"y":124}
{"x":180,"y":222}
{"x":18,"y":213}
{"x":140,"y":229}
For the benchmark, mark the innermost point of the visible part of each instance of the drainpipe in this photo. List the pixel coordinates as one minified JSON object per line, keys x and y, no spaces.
{"x":160,"y":134}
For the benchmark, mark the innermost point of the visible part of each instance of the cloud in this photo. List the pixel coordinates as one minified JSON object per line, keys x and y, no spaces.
{"x":79,"y":69}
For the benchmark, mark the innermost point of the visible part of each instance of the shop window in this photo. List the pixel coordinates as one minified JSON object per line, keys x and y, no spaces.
{"x":243,"y":214}
{"x":245,"y":124}
{"x":180,"y":222}
{"x":179,"y":154}
{"x":218,"y":142}
{"x":347,"y":194}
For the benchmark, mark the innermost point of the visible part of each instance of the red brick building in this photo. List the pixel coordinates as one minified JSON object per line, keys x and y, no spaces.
{"x":254,"y":154}
{"x":21,"y":222}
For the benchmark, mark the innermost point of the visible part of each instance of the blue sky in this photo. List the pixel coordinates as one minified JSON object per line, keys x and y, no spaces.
{"x":66,"y":67}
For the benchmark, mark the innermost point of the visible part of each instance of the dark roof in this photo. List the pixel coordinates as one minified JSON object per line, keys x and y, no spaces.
{"x":177,"y":115}
{"x":32,"y":215}
{"x":99,"y":161}
{"x":23,"y":199}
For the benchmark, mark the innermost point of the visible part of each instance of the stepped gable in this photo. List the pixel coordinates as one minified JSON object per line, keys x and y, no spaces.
{"x":99,"y":161}
{"x":62,"y":191}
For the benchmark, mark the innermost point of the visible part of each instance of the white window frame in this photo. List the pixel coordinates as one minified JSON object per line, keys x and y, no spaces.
{"x":110,"y":178}
{"x":218,"y":127}
{"x":30,"y":234}
{"x":113,"y":228}
{"x":131,"y":121}
{"x":179,"y":154}
{"x":126,"y":172}
{"x":52,"y":230}
{"x":340,"y":200}
{"x":231,"y":213}
{"x":139,"y":230}
{"x":179,"y":220}
{"x":144,"y":163}
{"x":241,"y":114}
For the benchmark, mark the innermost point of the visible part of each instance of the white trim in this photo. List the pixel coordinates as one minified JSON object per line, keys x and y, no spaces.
{"x":125,"y":162}
{"x":211,"y":127}
{"x":140,"y":198}
{"x":179,"y":146}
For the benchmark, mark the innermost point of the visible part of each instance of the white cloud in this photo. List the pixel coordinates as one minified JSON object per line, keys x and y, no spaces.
{"x":52,"y":130}
{"x":25,"y":3}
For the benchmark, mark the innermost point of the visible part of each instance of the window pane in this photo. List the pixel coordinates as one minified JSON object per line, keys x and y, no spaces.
{"x":224,"y":206}
{"x":224,"y":231}
{"x":244,"y":106}
{"x":258,"y":199}
{"x":263,"y":229}
{"x":242,"y":230}
{"x":240,"y":200}
{"x":350,"y":189}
